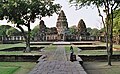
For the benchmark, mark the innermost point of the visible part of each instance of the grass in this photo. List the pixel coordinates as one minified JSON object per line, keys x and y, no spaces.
{"x":93,"y":52}
{"x":19,"y":53}
{"x":16,"y":67}
{"x":102,"y":68}
{"x":67,"y":49}
{"x":5,"y":46}
{"x":50,"y":47}
{"x":8,"y":70}
{"x":96,"y":52}
{"x":116,"y":46}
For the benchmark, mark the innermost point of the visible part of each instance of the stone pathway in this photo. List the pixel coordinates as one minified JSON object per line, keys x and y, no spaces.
{"x":59,"y":54}
{"x":58,"y":64}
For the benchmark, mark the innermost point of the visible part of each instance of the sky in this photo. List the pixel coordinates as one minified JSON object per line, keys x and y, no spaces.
{"x":88,"y":14}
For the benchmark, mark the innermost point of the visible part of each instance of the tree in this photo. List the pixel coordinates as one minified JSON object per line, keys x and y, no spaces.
{"x":3,"y":29}
{"x":94,"y":32}
{"x":116,"y":25}
{"x":12,"y":32}
{"x":73,"y":29}
{"x":109,"y":6}
{"x":23,"y":12}
{"x":35,"y":31}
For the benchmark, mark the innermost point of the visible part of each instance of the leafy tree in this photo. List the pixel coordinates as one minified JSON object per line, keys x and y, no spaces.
{"x":95,"y":32}
{"x":116,"y":25}
{"x":116,"y":22}
{"x":23,"y":12}
{"x":12,"y":32}
{"x":35,"y":31}
{"x":3,"y":29}
{"x":89,"y":29}
{"x":109,"y":6}
{"x":73,"y":29}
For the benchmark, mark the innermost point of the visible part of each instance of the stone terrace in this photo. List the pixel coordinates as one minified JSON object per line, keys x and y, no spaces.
{"x":57,"y":64}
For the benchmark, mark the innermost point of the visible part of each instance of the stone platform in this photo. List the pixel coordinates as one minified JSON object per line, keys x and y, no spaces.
{"x":58,"y":64}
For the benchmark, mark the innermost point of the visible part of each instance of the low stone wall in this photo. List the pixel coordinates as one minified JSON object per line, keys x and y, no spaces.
{"x":82,"y":43}
{"x":19,"y":58}
{"x":22,"y":48}
{"x":93,"y":48}
{"x":40,"y":43}
{"x":10,"y":42}
{"x":99,"y":57}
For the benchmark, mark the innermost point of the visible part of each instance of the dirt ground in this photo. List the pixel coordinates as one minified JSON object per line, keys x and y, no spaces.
{"x":102,"y":68}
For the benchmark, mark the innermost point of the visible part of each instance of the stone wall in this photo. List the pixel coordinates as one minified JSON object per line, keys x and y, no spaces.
{"x":98,"y":57}
{"x":19,"y":58}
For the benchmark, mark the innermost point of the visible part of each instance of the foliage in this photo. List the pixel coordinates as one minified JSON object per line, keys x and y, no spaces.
{"x":93,"y":32}
{"x":12,"y":32}
{"x":116,"y":22}
{"x":35,"y":31}
{"x":73,"y":29}
{"x":23,"y":12}
{"x":109,"y":7}
{"x":3,"y":29}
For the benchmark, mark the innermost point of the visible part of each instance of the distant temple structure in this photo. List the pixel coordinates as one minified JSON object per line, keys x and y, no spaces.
{"x":61,"y":32}
{"x":42,"y":31}
{"x":62,"y":26}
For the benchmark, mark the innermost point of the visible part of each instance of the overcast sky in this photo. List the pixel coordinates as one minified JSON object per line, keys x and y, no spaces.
{"x":89,"y":15}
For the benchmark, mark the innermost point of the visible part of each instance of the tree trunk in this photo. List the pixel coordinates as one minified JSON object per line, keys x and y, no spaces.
{"x":111,"y":41}
{"x":28,"y":40}
{"x":107,"y":44}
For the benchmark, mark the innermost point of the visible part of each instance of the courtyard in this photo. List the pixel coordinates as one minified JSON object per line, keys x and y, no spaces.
{"x":51,"y":37}
{"x":91,"y":65}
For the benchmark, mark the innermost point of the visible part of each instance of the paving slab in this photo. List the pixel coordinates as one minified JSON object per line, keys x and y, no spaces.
{"x":58,"y":64}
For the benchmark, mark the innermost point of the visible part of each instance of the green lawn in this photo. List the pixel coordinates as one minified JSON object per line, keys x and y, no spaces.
{"x":67,"y":49}
{"x":96,"y":52}
{"x":50,"y":48}
{"x":5,"y":46}
{"x":102,"y":68}
{"x":19,"y":53}
{"x":8,"y":70}
{"x":16,"y":67}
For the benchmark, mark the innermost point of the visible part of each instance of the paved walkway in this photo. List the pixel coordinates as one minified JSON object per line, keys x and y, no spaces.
{"x":58,"y":64}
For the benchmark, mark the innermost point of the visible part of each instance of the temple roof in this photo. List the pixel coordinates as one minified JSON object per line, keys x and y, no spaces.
{"x":62,"y":20}
{"x":62,"y":13}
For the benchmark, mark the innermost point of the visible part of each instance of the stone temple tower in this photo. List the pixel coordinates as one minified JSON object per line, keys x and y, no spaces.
{"x":62,"y":25}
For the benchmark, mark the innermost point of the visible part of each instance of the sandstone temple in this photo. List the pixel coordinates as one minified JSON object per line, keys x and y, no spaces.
{"x":61,"y":32}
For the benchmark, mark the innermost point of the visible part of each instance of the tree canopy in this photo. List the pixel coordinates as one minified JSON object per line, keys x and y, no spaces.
{"x":13,"y":32}
{"x":3,"y":29}
{"x":23,"y":12}
{"x":116,"y":22}
{"x":109,"y":6}
{"x":35,"y":31}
